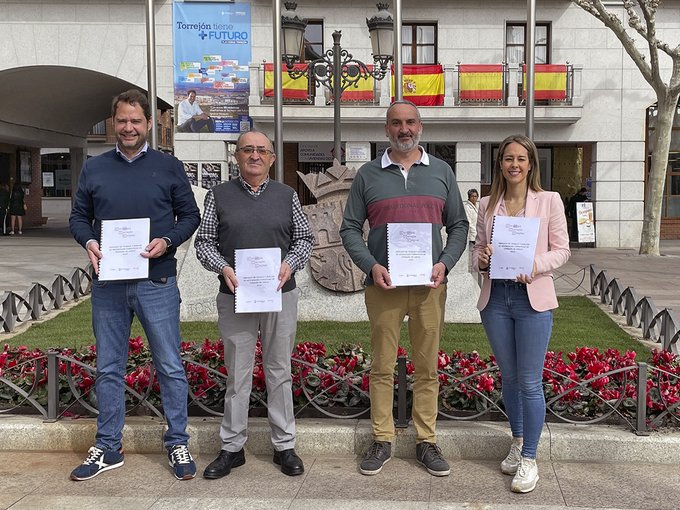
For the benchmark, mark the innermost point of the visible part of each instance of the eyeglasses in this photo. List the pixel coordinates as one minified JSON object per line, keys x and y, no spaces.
{"x":249,"y":149}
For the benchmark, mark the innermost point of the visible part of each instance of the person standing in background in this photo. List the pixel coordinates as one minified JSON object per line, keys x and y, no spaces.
{"x":17,"y":208}
{"x":471,"y":211}
{"x":4,"y":205}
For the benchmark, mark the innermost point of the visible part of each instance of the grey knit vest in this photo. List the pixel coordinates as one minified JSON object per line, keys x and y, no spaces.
{"x":245,"y":221}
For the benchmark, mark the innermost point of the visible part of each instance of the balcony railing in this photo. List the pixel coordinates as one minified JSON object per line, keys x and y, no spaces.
{"x":435,"y":85}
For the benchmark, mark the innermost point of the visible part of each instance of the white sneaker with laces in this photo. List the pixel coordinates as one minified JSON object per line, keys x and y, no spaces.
{"x":511,"y":462}
{"x":526,"y":477}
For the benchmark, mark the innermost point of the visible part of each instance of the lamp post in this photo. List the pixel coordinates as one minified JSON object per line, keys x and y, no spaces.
{"x":337,"y":69}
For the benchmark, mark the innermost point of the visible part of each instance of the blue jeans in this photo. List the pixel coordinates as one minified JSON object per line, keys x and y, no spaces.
{"x":519,"y":338}
{"x":156,"y":305}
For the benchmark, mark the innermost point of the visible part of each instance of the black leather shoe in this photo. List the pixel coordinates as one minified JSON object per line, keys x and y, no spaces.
{"x":290,"y":463}
{"x":222,"y":465}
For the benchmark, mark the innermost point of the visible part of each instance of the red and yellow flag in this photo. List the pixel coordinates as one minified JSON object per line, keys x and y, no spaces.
{"x":292,"y":89}
{"x":550,"y":81}
{"x":480,"y":82}
{"x":362,"y":92}
{"x":422,"y":84}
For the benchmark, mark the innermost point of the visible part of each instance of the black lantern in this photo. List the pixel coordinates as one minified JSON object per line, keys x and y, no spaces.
{"x":381,"y":31}
{"x":293,"y":28}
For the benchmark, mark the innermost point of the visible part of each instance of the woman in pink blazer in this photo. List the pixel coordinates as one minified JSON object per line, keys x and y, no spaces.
{"x":517,"y":314}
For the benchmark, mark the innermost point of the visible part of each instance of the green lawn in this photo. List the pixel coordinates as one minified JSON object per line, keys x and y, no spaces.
{"x":578,"y":322}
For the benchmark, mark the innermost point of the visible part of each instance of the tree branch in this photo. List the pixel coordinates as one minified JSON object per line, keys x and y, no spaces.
{"x":649,"y":13}
{"x":612,"y":22}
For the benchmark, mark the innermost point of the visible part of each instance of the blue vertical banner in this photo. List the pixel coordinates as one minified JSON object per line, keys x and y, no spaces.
{"x":212,"y":52}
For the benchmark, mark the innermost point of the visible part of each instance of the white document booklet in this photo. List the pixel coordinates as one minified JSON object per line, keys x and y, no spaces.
{"x":257,"y":272}
{"x":514,"y":245}
{"x":409,"y":253}
{"x":122,"y":244}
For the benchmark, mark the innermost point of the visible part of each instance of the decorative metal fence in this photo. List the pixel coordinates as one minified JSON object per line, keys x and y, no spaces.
{"x":643,"y":396}
{"x":57,"y":385}
{"x":38,"y":300}
{"x":660,"y":326}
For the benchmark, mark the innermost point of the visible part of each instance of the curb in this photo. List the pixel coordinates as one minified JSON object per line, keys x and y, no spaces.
{"x":339,"y":438}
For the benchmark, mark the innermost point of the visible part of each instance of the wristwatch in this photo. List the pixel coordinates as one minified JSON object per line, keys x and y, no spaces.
{"x":168,"y":241}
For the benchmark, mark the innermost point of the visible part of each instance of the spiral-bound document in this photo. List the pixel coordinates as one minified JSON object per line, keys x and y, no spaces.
{"x":409,"y":253}
{"x":122,"y":243}
{"x":514,"y":245}
{"x":257,"y":271}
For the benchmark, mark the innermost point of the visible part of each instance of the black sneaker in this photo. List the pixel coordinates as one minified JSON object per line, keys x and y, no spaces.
{"x":376,"y":457}
{"x":98,"y":460}
{"x":181,"y":462}
{"x":430,"y":456}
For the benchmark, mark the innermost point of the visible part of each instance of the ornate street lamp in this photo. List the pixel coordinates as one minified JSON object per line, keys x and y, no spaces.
{"x":337,"y":66}
{"x":381,"y":31}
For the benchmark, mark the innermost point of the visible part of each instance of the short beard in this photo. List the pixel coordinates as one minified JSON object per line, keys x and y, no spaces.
{"x":405,"y":146}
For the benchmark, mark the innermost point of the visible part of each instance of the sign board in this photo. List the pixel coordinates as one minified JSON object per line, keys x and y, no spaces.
{"x":48,"y":179}
{"x":212,"y":50}
{"x":586,"y":222}
{"x":358,"y":151}
{"x":317,"y":152}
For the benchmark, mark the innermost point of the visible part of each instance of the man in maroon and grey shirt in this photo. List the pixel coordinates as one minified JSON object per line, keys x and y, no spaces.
{"x":406,"y":185}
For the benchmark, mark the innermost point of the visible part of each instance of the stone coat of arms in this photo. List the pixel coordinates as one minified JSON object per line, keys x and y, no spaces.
{"x":330,"y":264}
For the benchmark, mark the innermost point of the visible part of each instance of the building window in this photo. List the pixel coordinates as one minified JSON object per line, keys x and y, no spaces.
{"x":671,"y":193}
{"x":419,"y":43}
{"x":313,"y":40}
{"x":515,"y":43}
{"x":670,"y":202}
{"x":98,"y":129}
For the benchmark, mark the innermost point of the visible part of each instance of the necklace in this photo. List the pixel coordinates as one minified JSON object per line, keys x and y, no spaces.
{"x":515,"y":210}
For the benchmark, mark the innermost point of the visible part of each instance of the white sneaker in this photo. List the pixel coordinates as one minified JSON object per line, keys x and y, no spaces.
{"x":511,"y":462}
{"x":526,"y":477}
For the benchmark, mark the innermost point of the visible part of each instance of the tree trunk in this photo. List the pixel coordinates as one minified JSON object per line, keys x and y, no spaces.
{"x":651,"y":226}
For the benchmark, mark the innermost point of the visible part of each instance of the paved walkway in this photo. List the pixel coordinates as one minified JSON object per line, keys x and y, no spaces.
{"x":39,"y":481}
{"x":580,"y":467}
{"x":656,"y":277}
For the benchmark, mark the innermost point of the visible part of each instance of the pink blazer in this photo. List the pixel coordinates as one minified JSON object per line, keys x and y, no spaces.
{"x":552,"y":247}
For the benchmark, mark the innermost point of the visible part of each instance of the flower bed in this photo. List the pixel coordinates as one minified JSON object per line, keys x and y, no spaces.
{"x":586,"y":385}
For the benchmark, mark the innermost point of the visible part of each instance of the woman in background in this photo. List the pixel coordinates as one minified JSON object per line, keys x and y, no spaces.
{"x":471,"y":211}
{"x":517,"y":314}
{"x":4,"y":204}
{"x":17,"y":208}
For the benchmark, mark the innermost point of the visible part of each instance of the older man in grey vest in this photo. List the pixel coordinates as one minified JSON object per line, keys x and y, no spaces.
{"x":253,"y":211}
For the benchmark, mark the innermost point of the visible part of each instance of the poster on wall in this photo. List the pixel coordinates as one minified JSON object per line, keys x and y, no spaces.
{"x":191,"y":170}
{"x":211,"y":75}
{"x":25,"y":167}
{"x":48,"y":179}
{"x":211,"y":174}
{"x":586,"y":223}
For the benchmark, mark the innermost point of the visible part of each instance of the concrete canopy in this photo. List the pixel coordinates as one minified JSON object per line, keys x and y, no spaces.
{"x":56,"y":106}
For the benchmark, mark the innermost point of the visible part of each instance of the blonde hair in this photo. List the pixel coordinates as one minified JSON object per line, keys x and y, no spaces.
{"x":498,"y":184}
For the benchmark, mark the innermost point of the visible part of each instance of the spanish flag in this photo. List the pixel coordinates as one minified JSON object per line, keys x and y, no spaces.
{"x":480,"y":82}
{"x":362,"y":92}
{"x":292,"y":89}
{"x":551,"y":81}
{"x":422,"y":84}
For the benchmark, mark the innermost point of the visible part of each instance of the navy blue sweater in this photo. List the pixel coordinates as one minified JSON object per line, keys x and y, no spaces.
{"x":153,"y":186}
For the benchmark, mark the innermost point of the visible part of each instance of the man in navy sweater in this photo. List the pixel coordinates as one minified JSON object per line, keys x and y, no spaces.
{"x":134,"y":181}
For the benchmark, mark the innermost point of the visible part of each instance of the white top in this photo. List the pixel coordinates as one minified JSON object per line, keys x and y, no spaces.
{"x":186,"y":110}
{"x":471,"y":211}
